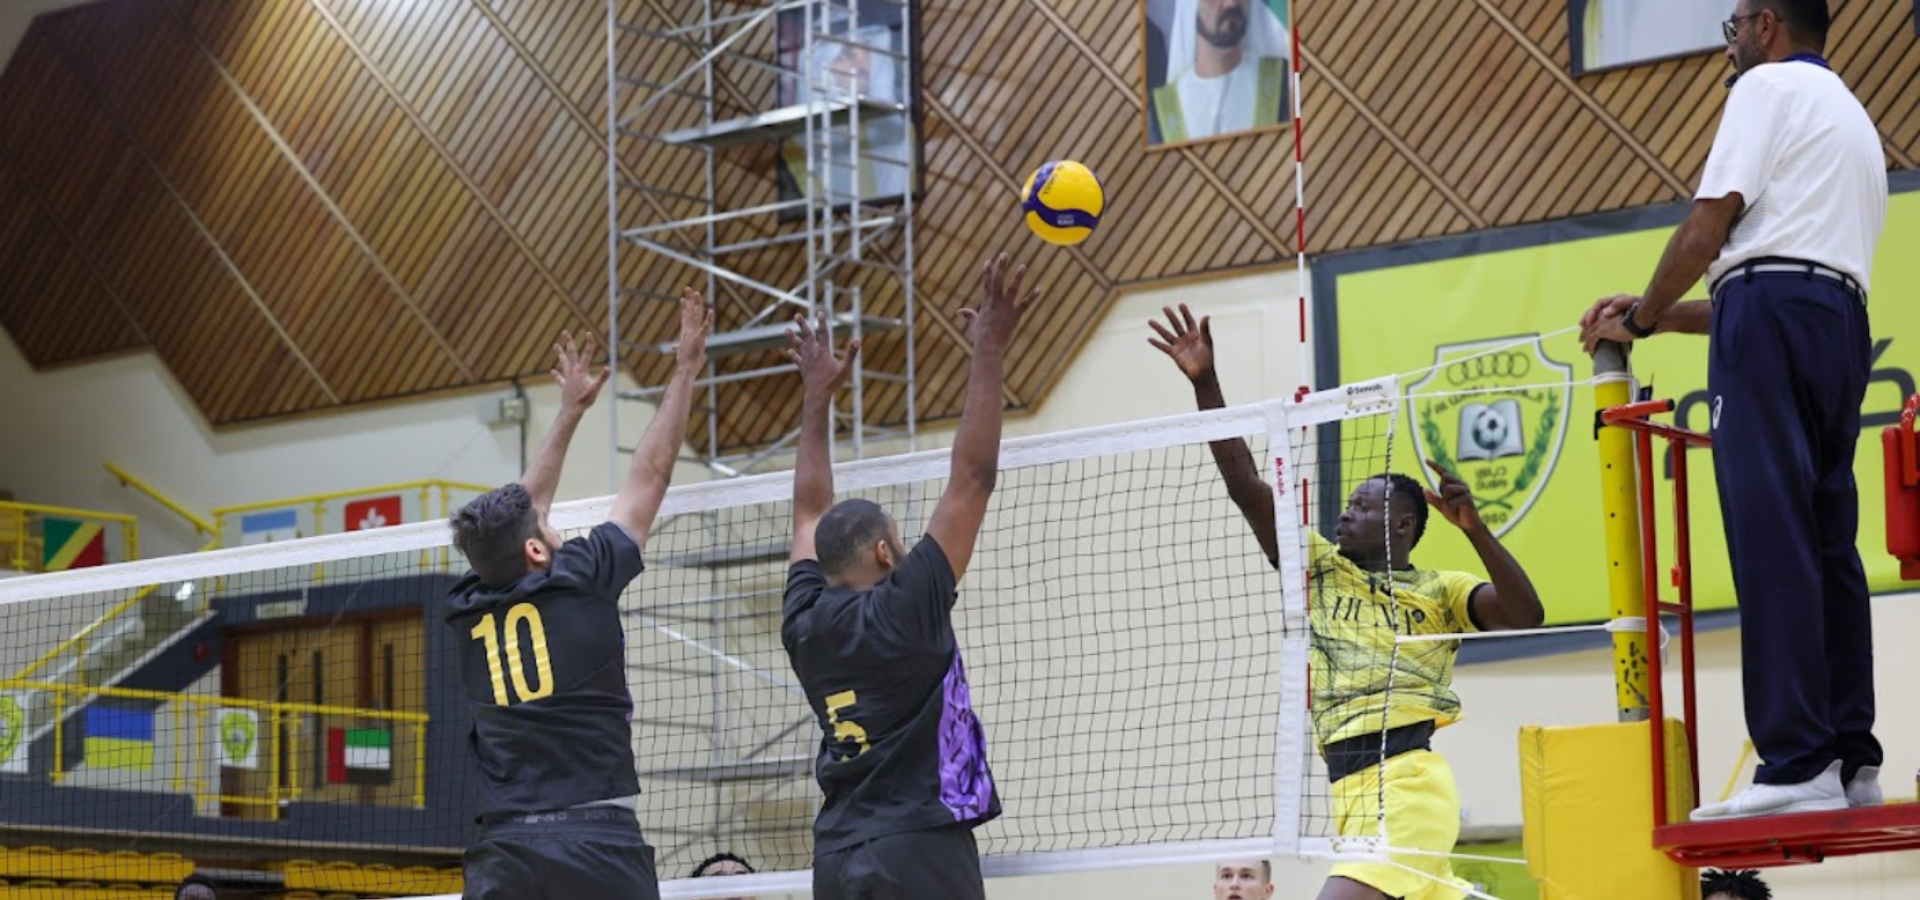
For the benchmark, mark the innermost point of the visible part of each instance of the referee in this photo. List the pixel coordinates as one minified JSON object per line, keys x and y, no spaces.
{"x":1790,"y":206}
{"x":868,"y":628}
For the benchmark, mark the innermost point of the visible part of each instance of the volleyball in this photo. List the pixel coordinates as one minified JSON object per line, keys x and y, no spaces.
{"x":1062,"y":202}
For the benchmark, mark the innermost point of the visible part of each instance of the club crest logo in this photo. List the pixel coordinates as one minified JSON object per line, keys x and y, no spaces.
{"x":1495,"y":412}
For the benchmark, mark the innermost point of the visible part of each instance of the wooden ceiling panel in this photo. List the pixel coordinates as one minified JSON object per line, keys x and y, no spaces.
{"x":304,"y":203}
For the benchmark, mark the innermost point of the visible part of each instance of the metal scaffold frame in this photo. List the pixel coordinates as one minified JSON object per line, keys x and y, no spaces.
{"x":830,"y":97}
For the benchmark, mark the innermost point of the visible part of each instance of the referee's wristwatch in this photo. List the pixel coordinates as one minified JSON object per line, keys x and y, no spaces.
{"x":1632,"y":327}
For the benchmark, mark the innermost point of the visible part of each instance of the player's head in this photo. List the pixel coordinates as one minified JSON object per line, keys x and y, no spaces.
{"x":1770,"y":30}
{"x":503,"y":536}
{"x":723,"y":864}
{"x":1388,"y":503}
{"x":1741,"y":885}
{"x":1243,"y":879}
{"x":195,"y":887}
{"x":1222,"y":23}
{"x":858,"y":543}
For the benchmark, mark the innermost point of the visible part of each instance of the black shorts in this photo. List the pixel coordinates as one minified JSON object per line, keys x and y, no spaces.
{"x":573,"y":854}
{"x":941,"y":864}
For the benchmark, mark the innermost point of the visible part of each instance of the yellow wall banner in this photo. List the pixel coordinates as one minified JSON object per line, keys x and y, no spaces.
{"x":1517,"y":423}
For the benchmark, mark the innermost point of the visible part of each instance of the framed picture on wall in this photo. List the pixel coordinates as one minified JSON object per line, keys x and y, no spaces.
{"x":1610,"y":34}
{"x":875,"y":59}
{"x":1215,"y":68}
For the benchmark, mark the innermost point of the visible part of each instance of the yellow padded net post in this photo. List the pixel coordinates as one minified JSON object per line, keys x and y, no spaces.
{"x":1613,"y":386}
{"x":1589,"y":812}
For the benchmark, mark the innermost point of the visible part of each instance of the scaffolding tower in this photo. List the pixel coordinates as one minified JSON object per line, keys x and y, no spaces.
{"x":841,"y":113}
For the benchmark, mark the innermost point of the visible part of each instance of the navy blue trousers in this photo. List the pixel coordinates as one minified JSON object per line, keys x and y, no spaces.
{"x":1787,"y":370}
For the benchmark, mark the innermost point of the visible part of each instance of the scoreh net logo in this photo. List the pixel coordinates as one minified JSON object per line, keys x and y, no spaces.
{"x":1495,"y":412}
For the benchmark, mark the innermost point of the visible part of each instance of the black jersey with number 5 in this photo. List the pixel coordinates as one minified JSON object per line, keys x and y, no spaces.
{"x":543,"y":663}
{"x":901,"y":749}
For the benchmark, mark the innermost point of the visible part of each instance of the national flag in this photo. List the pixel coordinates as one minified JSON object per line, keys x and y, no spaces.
{"x":72,"y":544}
{"x":267,"y":527}
{"x":119,"y":737}
{"x":359,"y":756}
{"x":375,"y":512}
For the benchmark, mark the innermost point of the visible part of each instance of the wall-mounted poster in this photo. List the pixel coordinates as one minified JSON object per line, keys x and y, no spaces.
{"x":1608,"y":34}
{"x":1215,"y":68}
{"x":873,"y":59}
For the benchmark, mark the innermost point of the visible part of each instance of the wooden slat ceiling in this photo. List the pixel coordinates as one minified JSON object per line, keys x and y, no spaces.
{"x":308,"y":204}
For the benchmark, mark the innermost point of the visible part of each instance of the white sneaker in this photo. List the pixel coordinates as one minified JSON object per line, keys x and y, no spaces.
{"x":1864,"y":789}
{"x":1821,"y":794}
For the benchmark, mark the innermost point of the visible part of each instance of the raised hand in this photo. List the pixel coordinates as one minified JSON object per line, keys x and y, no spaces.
{"x":696,"y":321}
{"x":811,"y":348}
{"x":993,"y":323}
{"x":579,"y":386}
{"x":1189,"y":345}
{"x":1454,"y":501}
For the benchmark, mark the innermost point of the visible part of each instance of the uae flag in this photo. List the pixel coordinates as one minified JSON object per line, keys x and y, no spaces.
{"x":359,"y":756}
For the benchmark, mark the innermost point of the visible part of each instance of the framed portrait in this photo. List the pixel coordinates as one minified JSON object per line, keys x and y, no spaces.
{"x":874,"y":59}
{"x":1215,"y":68}
{"x":1611,"y":34}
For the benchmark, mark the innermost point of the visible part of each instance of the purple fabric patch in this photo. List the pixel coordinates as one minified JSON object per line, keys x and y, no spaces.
{"x":966,"y":785}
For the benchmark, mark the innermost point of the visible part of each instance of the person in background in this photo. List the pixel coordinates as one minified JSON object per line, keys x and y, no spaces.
{"x":1243,"y":879}
{"x":195,"y":887}
{"x":1741,"y":885}
{"x":724,"y":863}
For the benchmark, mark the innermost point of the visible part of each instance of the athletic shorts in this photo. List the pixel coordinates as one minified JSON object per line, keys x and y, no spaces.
{"x":574,"y":854}
{"x":1423,"y":813}
{"x":940,"y":864}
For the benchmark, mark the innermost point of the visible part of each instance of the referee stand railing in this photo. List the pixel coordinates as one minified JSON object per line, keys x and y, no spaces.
{"x":1728,"y":843}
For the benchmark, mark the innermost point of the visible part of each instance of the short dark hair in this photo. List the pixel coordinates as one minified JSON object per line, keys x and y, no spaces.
{"x":1807,"y":20}
{"x":491,"y":530}
{"x":1744,"y":884}
{"x":700,"y":871}
{"x":1409,"y":490}
{"x":848,"y":528}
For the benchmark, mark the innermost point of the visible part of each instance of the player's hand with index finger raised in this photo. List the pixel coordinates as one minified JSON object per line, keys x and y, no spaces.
{"x":1454,"y":500}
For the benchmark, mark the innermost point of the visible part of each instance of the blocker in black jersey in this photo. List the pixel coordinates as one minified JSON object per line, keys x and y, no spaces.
{"x":903,"y":750}
{"x":543,"y":661}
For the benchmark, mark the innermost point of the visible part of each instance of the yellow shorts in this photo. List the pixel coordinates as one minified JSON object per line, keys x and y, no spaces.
{"x":1423,"y":813}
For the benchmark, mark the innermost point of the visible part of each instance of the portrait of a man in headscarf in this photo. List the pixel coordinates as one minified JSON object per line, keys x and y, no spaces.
{"x":1225,"y":68}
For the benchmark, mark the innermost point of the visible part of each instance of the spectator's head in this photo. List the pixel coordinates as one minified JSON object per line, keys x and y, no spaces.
{"x":1741,"y":885}
{"x":503,"y":536}
{"x":858,"y":544}
{"x":1384,"y":504}
{"x":195,"y":887}
{"x":1772,"y":30}
{"x":1222,"y":23}
{"x":721,"y":864}
{"x":1243,"y":879}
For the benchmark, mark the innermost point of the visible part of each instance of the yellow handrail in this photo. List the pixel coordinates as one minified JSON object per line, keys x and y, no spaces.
{"x":20,"y":512}
{"x":197,"y":521}
{"x":224,"y":511}
{"x":80,"y":637}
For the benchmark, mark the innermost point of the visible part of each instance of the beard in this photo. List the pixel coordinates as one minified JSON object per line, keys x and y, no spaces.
{"x":1230,"y":27}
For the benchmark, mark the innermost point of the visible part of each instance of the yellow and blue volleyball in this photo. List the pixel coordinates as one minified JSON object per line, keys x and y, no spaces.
{"x":1062,"y":202}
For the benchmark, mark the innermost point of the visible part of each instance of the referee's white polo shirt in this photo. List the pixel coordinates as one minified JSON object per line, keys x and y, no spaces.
{"x":1799,"y":148}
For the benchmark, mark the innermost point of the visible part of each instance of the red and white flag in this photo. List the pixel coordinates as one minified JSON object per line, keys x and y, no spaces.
{"x":374,"y":512}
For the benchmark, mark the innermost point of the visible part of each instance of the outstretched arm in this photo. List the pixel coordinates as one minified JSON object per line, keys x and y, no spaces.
{"x":652,"y":470}
{"x":821,"y":375}
{"x":579,"y":387}
{"x":976,"y":448}
{"x":1190,"y":346}
{"x":1511,"y":601}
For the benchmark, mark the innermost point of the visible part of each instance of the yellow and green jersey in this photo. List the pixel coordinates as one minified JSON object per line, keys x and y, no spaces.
{"x":1357,"y":676}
